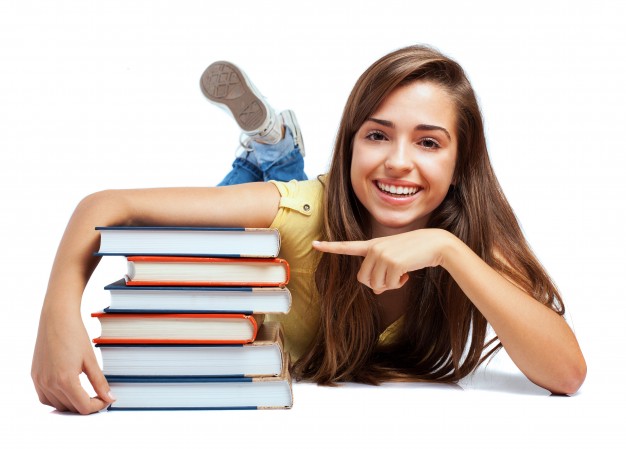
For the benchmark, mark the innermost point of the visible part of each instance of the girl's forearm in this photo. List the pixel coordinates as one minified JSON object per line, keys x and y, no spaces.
{"x":536,"y":338}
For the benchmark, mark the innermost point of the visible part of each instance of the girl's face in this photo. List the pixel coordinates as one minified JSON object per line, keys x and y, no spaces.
{"x":403,"y":157}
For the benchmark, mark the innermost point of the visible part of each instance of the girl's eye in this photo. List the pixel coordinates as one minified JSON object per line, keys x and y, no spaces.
{"x":375,"y":135}
{"x":429,"y":143}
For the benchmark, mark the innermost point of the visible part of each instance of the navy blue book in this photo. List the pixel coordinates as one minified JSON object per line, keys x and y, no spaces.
{"x":188,"y":241}
{"x":202,"y":393}
{"x":195,"y":299}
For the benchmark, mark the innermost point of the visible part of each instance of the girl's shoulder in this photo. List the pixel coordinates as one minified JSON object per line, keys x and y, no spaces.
{"x":304,"y":197}
{"x":300,"y":221}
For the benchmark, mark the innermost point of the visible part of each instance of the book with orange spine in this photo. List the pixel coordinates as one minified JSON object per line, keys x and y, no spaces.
{"x":177,"y":328}
{"x":207,"y":271}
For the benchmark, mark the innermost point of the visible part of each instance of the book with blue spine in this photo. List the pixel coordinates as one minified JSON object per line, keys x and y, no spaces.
{"x":197,"y":299}
{"x":262,"y":357}
{"x":202,"y":393}
{"x":188,"y":241}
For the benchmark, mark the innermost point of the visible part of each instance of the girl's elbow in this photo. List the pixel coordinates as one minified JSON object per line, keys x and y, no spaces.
{"x":109,"y":206}
{"x":572,"y":380}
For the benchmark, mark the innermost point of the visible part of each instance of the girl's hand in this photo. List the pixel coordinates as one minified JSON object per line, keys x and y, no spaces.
{"x":388,"y":260}
{"x":62,"y":352}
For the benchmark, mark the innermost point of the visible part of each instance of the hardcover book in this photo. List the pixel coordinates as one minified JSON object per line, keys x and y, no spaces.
{"x":187,"y":241}
{"x":176,"y":328}
{"x":263,"y":357}
{"x":209,"y":271}
{"x":192,"y":299}
{"x":202,"y":393}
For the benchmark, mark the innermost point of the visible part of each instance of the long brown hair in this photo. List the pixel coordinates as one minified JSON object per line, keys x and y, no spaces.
{"x":444,"y":335}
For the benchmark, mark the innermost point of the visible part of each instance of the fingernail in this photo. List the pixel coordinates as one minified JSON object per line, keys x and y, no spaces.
{"x":111,"y":397}
{"x":316,"y":242}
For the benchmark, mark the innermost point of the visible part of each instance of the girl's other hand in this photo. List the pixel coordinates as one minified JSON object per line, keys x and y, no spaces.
{"x":63,"y":351}
{"x":388,"y":260}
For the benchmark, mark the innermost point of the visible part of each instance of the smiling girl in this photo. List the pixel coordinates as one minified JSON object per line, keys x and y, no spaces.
{"x":402,"y":255}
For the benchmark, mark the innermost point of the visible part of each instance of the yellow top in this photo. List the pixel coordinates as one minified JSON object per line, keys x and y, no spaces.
{"x":299,"y":221}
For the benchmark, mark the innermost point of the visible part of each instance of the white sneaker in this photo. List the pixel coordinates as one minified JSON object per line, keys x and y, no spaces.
{"x":290,"y":121}
{"x":227,"y":86}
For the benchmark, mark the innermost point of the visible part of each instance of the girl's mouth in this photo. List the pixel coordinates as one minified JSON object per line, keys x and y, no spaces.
{"x":397,"y":190}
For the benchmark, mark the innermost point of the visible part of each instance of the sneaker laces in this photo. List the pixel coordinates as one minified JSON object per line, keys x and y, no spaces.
{"x":244,"y":145}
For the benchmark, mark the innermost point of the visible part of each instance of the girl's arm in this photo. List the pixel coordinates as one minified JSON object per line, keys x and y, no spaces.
{"x":63,"y":349}
{"x":536,"y":338}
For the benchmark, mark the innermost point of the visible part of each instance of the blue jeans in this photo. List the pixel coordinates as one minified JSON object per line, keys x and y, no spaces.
{"x":278,"y":162}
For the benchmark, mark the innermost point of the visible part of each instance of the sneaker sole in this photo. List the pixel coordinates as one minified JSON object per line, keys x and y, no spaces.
{"x":225,"y":84}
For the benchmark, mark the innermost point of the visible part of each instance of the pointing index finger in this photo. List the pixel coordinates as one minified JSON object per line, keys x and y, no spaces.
{"x":351,"y":248}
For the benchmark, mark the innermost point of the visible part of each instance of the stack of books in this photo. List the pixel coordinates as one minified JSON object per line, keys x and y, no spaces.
{"x":185,"y":327}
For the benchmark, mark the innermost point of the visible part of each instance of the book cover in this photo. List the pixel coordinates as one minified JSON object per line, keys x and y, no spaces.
{"x":262,"y":357}
{"x":185,"y":241}
{"x":194,"y":299}
{"x":207,"y":271}
{"x":177,"y":328}
{"x":202,"y":393}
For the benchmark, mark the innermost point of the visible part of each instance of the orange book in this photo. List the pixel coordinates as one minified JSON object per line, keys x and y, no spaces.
{"x":209,"y":271}
{"x":176,"y":328}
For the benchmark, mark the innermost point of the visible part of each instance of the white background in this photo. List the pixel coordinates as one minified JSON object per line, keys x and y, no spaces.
{"x":104,"y":94}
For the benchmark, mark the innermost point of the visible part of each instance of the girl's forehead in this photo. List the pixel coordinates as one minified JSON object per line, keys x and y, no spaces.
{"x":420,"y":101}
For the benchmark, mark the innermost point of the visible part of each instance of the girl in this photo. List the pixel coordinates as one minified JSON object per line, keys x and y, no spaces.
{"x":401,"y":256}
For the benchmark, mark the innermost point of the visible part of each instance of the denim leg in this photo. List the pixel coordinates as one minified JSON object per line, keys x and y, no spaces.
{"x":243,"y":171}
{"x":281,"y":161}
{"x":278,"y":162}
{"x":288,"y":167}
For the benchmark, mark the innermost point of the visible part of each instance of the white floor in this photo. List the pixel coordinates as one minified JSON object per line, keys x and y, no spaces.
{"x":493,"y":410}
{"x":97,"y":95}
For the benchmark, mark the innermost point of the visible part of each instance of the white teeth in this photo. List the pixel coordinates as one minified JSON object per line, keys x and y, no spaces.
{"x":398,"y":190}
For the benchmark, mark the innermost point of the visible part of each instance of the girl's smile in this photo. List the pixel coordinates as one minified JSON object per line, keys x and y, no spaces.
{"x":404,"y":157}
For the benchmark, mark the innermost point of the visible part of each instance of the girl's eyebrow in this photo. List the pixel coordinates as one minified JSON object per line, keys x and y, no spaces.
{"x":421,"y":127}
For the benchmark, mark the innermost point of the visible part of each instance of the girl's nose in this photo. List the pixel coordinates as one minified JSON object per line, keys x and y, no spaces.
{"x":398,"y":157}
